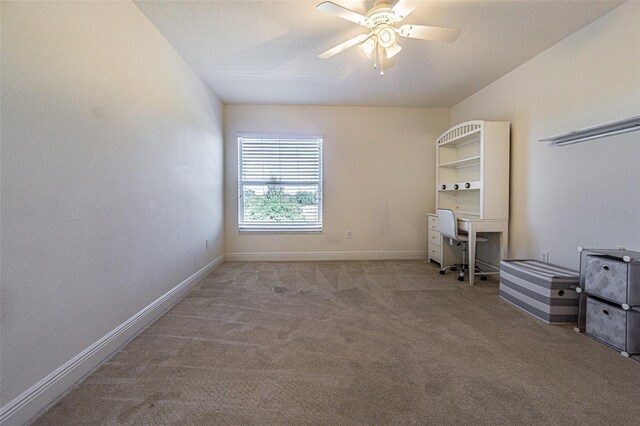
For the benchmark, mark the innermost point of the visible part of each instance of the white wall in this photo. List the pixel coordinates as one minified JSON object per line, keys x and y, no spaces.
{"x":379,"y":180}
{"x":580,"y":195}
{"x":112,"y":160}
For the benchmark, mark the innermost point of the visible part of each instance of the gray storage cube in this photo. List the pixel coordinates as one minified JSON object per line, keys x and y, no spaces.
{"x":614,"y":326}
{"x":543,"y":290}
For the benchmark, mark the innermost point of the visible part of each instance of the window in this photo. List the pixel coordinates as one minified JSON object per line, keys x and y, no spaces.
{"x":279,"y":184}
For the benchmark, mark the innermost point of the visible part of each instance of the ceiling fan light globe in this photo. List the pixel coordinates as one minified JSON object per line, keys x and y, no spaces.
{"x":386,"y":37}
{"x":392,"y":50}
{"x":368,"y":46}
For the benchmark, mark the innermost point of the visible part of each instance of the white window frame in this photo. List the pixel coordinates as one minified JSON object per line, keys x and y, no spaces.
{"x":275,"y":229}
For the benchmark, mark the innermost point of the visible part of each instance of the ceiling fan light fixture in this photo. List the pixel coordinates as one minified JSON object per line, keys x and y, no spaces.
{"x":382,"y":20}
{"x":386,"y":37}
{"x":392,"y":50}
{"x":368,"y":46}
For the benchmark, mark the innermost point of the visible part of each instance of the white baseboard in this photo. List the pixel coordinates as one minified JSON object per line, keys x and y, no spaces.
{"x":39,"y":396}
{"x":323,"y":255}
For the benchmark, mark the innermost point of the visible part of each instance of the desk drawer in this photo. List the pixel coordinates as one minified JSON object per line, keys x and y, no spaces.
{"x":434,"y":252}
{"x":434,"y":237}
{"x":433,"y":223}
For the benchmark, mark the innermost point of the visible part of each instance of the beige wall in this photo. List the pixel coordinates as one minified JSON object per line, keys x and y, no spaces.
{"x":379,"y":180}
{"x":580,"y":195}
{"x":111,"y":178}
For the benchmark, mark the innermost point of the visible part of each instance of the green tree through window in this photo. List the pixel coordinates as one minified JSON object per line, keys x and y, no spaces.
{"x":276,"y":204}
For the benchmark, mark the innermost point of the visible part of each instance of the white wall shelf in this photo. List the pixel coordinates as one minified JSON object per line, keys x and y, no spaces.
{"x":611,"y":128}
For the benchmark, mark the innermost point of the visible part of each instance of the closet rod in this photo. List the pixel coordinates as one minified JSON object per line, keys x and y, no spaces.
{"x":596,"y":132}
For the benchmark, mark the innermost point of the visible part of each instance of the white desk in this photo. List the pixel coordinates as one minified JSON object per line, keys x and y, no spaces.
{"x":471,"y":225}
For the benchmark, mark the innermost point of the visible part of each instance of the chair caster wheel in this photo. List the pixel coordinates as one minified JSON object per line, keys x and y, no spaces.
{"x":460,"y":278}
{"x":453,"y":268}
{"x":483,"y":277}
{"x":442,"y":272}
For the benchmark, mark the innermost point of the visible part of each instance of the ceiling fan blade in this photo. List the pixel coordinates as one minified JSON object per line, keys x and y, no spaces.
{"x":403,"y":8}
{"x":341,"y":12}
{"x":426,"y":32}
{"x":343,"y":46}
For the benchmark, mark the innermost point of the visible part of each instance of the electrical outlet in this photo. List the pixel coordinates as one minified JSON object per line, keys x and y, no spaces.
{"x":349,"y":234}
{"x":206,"y":243}
{"x":544,"y":256}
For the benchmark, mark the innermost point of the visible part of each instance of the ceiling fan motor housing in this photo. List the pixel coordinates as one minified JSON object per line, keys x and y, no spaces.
{"x":379,"y":20}
{"x":380,"y":14}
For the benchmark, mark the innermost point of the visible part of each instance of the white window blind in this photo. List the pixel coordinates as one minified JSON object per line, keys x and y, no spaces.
{"x":280,"y":184}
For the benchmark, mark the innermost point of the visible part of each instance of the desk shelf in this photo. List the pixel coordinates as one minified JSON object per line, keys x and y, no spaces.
{"x":460,"y":164}
{"x":461,"y":186}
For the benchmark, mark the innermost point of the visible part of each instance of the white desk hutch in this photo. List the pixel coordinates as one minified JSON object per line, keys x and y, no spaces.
{"x":472,"y":179}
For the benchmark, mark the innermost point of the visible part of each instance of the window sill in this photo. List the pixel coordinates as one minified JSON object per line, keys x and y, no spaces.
{"x":278,"y":231}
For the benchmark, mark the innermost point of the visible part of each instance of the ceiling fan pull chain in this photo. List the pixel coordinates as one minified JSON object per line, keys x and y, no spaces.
{"x":375,"y":57}
{"x":381,"y":54}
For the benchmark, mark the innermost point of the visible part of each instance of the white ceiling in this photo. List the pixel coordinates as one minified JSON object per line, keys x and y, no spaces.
{"x":265,"y":52}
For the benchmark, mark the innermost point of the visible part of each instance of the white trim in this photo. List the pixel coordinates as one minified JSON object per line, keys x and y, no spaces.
{"x":324,"y":255}
{"x":276,"y":135}
{"x":39,"y":396}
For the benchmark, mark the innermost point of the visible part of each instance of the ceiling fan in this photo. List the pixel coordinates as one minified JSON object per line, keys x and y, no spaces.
{"x":382,"y":22}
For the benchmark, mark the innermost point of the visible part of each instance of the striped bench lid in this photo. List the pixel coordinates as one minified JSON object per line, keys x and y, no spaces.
{"x":540,"y":269}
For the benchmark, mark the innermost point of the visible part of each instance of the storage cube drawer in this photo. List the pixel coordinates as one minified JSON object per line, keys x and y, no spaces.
{"x":614,"y":326}
{"x":434,"y":237}
{"x":611,"y":279}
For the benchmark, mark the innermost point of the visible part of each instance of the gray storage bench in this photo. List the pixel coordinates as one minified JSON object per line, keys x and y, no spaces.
{"x":546,"y":291}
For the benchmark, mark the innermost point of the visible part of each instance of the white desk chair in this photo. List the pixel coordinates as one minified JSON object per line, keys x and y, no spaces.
{"x":448,"y":227}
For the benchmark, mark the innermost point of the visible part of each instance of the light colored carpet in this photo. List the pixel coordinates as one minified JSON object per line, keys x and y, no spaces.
{"x":383,"y":342}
